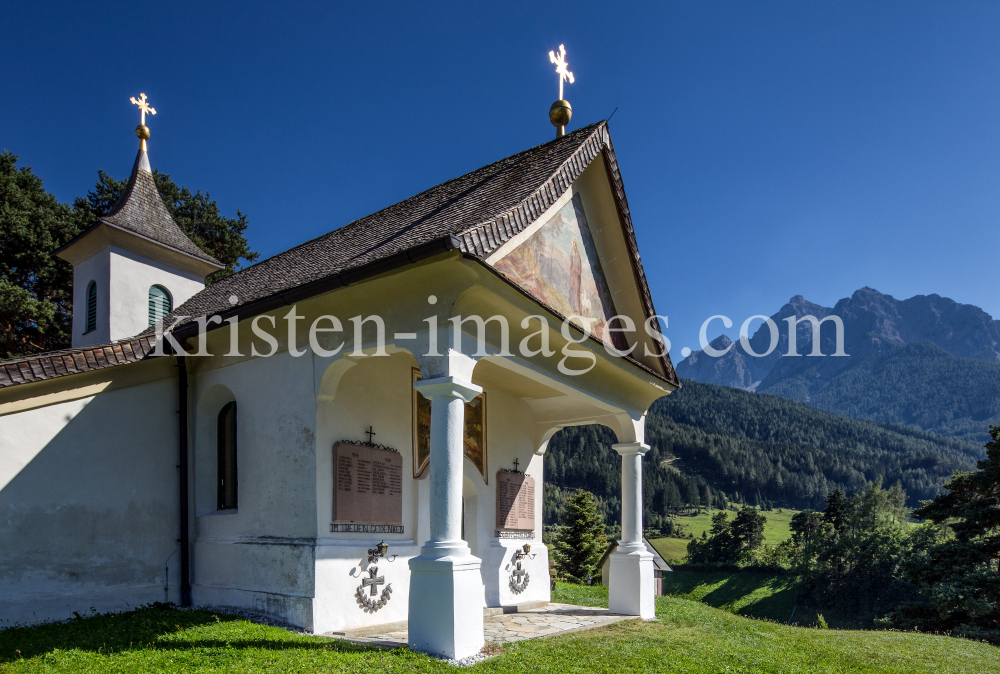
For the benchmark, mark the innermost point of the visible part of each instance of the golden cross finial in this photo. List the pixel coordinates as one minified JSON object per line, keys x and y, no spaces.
{"x":144,"y":107}
{"x":562,"y":68}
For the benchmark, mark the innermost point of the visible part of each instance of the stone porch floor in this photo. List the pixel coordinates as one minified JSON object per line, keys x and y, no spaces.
{"x":503,"y":628}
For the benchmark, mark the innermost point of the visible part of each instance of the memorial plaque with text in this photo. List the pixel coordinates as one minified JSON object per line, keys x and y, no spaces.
{"x":515,"y":501}
{"x":368,"y":484}
{"x":386,"y":487}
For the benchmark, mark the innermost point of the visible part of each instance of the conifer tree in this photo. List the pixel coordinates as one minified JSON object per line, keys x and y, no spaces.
{"x":959,"y":574}
{"x":748,"y":534}
{"x":582,"y":540}
{"x":35,"y":288}
{"x":835,"y":512}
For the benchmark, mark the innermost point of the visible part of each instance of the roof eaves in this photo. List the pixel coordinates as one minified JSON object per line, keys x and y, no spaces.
{"x":204,"y":257}
{"x":57,"y":364}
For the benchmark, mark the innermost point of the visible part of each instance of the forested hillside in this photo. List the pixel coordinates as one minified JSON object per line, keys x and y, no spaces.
{"x":710,"y":440}
{"x":917,"y":384}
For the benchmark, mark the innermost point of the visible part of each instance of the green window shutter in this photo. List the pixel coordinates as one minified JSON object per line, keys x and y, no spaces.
{"x":91,"y":307}
{"x":160,"y":303}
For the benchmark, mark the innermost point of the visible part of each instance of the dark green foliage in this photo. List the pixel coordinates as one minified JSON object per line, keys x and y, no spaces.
{"x":36,"y":301}
{"x":957,"y":566}
{"x":581,"y":541}
{"x":197,"y":215}
{"x":854,"y":572}
{"x":748,"y":530}
{"x":580,"y":457}
{"x":730,"y":543}
{"x":713,"y":443}
{"x":805,"y":526}
{"x":835,"y":512}
{"x":554,"y":501}
{"x":763,"y":448}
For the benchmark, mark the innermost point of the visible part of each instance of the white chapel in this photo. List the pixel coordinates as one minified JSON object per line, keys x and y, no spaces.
{"x":320,"y":437}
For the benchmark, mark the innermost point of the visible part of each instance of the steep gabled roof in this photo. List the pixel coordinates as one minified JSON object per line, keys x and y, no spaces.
{"x":482,"y":208}
{"x":141,"y":211}
{"x":480,"y":211}
{"x":476,"y":213}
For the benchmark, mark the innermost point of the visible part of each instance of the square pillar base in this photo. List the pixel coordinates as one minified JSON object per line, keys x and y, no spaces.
{"x":631,"y":581}
{"x":446,"y":606}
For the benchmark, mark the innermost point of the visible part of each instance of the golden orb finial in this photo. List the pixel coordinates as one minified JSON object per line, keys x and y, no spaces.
{"x":559,"y":114}
{"x":142,"y":130}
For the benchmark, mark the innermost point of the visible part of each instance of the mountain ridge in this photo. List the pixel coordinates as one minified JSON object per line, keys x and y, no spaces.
{"x":958,"y":370}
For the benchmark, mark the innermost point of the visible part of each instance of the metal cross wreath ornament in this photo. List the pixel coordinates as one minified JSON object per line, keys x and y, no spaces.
{"x":368,"y":603}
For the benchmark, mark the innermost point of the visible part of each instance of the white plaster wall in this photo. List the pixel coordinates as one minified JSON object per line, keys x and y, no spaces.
{"x":88,"y":504}
{"x":375,"y":391}
{"x":261,"y":555}
{"x":98,"y":269}
{"x":123,"y":281}
{"x":510,"y":436}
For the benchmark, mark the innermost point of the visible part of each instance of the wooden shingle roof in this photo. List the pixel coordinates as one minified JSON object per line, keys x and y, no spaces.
{"x":140,"y":210}
{"x":476,"y":213}
{"x":54,"y":364}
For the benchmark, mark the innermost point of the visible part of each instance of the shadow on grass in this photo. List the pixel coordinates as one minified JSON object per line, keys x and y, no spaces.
{"x":753,"y":594}
{"x":142,"y":628}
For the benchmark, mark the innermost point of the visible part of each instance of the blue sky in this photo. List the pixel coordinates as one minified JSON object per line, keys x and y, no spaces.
{"x":768,"y":149}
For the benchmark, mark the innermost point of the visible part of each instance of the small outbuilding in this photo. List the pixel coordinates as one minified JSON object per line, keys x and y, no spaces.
{"x":659,"y":566}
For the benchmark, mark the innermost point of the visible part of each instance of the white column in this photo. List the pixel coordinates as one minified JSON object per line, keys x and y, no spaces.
{"x":631,"y":591}
{"x":446,"y":586}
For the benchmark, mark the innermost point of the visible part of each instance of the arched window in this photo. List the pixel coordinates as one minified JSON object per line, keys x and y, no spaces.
{"x":227,"y":456}
{"x":160,"y":303}
{"x":91,"y":307}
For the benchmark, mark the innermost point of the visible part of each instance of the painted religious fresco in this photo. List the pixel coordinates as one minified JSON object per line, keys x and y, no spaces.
{"x":474,"y":437}
{"x":559,"y":265}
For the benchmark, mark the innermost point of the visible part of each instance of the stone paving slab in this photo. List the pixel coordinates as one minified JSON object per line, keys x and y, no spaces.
{"x":505,"y":628}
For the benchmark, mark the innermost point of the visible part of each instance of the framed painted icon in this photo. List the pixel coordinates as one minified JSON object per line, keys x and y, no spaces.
{"x":474,"y":436}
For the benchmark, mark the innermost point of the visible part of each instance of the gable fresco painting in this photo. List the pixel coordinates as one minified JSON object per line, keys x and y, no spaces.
{"x":558,"y":264}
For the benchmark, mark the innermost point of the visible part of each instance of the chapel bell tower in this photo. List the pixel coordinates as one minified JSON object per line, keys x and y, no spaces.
{"x":135,"y":264}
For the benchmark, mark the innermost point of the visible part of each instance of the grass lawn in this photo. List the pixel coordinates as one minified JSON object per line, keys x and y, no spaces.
{"x":775,"y":531}
{"x":750,"y":593}
{"x":688,"y":637}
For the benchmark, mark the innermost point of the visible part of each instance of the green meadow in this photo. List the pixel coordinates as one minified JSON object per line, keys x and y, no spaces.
{"x":675,"y":549}
{"x":687,"y":636}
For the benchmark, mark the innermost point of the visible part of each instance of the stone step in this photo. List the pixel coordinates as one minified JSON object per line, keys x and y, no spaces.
{"x":384,"y":628}
{"x":513,"y":608}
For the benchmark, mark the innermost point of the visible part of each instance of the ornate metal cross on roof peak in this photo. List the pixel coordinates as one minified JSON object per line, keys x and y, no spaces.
{"x":562,"y":68}
{"x":144,"y":107}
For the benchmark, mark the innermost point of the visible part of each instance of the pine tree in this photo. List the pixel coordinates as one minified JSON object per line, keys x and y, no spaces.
{"x":36,"y":302}
{"x":959,"y":574}
{"x":835,"y":512}
{"x":582,"y":540}
{"x":748,"y":534}
{"x":805,"y":525}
